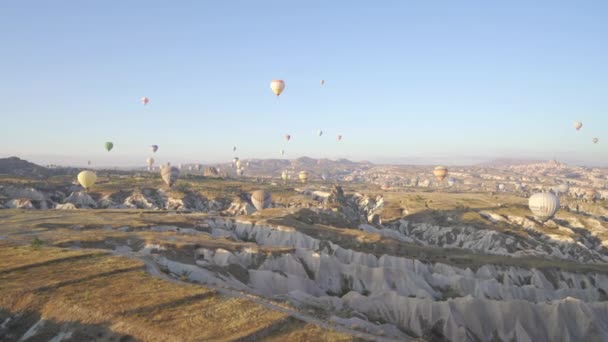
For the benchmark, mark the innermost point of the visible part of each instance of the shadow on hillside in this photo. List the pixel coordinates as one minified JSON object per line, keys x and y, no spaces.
{"x":16,"y":326}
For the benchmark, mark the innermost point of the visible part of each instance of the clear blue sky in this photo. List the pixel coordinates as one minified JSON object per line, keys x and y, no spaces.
{"x":430,"y":81}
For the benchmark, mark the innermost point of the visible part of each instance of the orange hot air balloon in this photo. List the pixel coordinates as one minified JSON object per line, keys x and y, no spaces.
{"x":440,"y":172}
{"x":277,"y":86}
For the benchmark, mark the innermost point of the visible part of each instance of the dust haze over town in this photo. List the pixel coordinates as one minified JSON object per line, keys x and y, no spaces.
{"x":320,"y":171}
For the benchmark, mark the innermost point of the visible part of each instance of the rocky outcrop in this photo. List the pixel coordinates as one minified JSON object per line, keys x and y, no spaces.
{"x":81,"y":200}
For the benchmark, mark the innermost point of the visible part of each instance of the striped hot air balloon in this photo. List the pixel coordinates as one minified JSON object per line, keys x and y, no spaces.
{"x":169,"y":174}
{"x":543,"y":205}
{"x":261,"y":199}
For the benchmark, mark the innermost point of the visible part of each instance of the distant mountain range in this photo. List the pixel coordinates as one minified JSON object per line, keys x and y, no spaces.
{"x":18,"y":167}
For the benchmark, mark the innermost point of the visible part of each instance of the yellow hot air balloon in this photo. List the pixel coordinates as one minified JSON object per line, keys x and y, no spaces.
{"x":303,"y":176}
{"x":284,"y":175}
{"x":440,"y":172}
{"x":87,"y":179}
{"x":277,"y":86}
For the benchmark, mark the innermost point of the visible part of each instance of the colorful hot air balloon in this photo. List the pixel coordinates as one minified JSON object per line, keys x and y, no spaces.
{"x":543,"y":205}
{"x":595,"y":140}
{"x":440,"y":172}
{"x":261,"y":199}
{"x":150,"y":162}
{"x":339,"y":137}
{"x":303,"y":176}
{"x":277,"y":86}
{"x":154,"y":148}
{"x":169,"y":174}
{"x":109,"y":146}
{"x":87,"y":179}
{"x":287,"y":137}
{"x":322,"y":82}
{"x":144,"y":100}
{"x":578,"y":125}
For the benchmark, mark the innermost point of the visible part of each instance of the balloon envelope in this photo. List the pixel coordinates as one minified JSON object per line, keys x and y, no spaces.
{"x":169,"y":174}
{"x":440,"y":172}
{"x":277,"y":86}
{"x":303,"y":176}
{"x":287,"y":137}
{"x":261,"y":199}
{"x":87,"y":179}
{"x":595,"y":140}
{"x":154,"y":148}
{"x":144,"y":100}
{"x":109,"y":146}
{"x":543,"y":205}
{"x":578,"y":125}
{"x":284,"y":175}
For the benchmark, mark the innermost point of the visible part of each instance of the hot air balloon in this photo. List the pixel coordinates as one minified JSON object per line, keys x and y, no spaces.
{"x":284,"y":175}
{"x":109,"y":146}
{"x":440,"y":172}
{"x":282,"y":152}
{"x":144,"y":100}
{"x":169,"y":174}
{"x":563,"y":188}
{"x":339,"y":137}
{"x":595,"y":140}
{"x":277,"y":86}
{"x":578,"y":125}
{"x":261,"y":199}
{"x":233,"y":148}
{"x":287,"y":137}
{"x":320,"y":133}
{"x":543,"y":205}
{"x":322,"y":82}
{"x":238,"y":164}
{"x":89,"y":162}
{"x":154,"y":148}
{"x":501,"y":187}
{"x":150,"y":162}
{"x":87,"y":179}
{"x":303,"y":176}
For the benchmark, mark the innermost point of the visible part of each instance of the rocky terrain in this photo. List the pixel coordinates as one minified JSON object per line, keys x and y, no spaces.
{"x":376,"y":252}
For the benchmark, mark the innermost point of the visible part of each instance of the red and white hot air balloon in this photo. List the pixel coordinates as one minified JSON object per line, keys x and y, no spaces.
{"x":277,"y":86}
{"x":144,"y":100}
{"x":287,"y":137}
